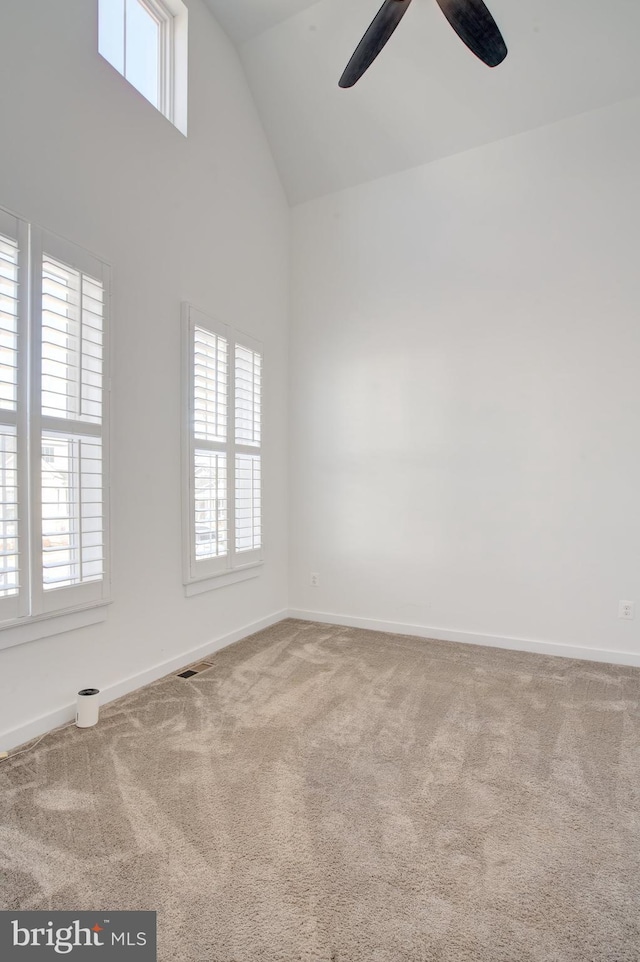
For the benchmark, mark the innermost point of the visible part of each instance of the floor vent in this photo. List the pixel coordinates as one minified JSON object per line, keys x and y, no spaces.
{"x":190,"y":672}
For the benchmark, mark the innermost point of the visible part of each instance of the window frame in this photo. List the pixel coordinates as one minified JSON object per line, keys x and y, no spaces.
{"x":205,"y":574}
{"x":171,"y":17}
{"x":37,"y":612}
{"x":165,"y":21}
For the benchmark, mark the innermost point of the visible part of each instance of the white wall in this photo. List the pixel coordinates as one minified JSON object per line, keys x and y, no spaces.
{"x":202,"y":219}
{"x":466,"y":392}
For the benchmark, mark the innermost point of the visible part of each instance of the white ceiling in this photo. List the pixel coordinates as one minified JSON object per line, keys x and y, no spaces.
{"x":243,"y":19}
{"x":426,"y":96}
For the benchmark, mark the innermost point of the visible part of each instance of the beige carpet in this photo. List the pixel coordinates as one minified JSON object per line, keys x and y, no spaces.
{"x":337,"y":795}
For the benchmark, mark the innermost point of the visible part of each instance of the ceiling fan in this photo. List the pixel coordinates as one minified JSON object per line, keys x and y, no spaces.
{"x":469,"y":18}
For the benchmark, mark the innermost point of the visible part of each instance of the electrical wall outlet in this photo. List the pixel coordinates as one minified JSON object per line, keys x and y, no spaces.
{"x":627,"y":610}
{"x":314,"y":579}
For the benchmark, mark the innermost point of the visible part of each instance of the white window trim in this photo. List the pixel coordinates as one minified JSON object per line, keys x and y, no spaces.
{"x":58,"y":623}
{"x":83,"y":604}
{"x":210,"y":583}
{"x":165,"y":19}
{"x":199,"y":576}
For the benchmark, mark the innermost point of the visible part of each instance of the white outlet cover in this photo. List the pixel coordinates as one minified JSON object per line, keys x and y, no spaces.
{"x":627,"y":610}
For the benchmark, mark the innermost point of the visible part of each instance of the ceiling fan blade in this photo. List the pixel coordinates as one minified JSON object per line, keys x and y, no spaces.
{"x":476,"y":27}
{"x":384,"y":23}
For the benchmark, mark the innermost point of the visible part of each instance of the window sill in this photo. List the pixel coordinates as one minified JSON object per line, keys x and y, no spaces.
{"x":222,"y":580}
{"x":21,"y":631}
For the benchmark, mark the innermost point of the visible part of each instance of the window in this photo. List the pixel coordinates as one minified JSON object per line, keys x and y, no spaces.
{"x":53,"y":419}
{"x":146,"y":41}
{"x":223,"y":493}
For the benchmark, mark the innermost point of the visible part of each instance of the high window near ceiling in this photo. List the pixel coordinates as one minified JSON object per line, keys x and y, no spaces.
{"x":146,"y":41}
{"x":54,"y":305}
{"x":223,"y":453}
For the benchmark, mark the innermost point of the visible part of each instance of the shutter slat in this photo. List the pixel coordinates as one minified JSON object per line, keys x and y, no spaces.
{"x":248,"y":500}
{"x":210,"y":504}
{"x":210,"y":385}
{"x":248,"y":366}
{"x":72,"y":351}
{"x":9,"y":292}
{"x":9,"y":289}
{"x":72,"y":511}
{"x":9,"y":566}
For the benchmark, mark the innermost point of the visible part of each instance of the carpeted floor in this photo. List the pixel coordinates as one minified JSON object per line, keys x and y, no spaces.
{"x":328,"y":794}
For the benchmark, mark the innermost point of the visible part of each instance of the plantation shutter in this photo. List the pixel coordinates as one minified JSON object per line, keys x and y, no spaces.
{"x":248,"y":461}
{"x":208,"y":457}
{"x":13,"y":242}
{"x":223,"y":500}
{"x":69,"y":470}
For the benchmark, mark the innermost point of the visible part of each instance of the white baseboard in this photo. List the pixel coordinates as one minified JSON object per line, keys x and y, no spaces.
{"x":45,"y":723}
{"x":470,"y":638}
{"x":62,"y":716}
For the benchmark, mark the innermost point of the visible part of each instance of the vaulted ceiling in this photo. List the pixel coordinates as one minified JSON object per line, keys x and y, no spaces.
{"x":243,"y":19}
{"x":426,"y":96}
